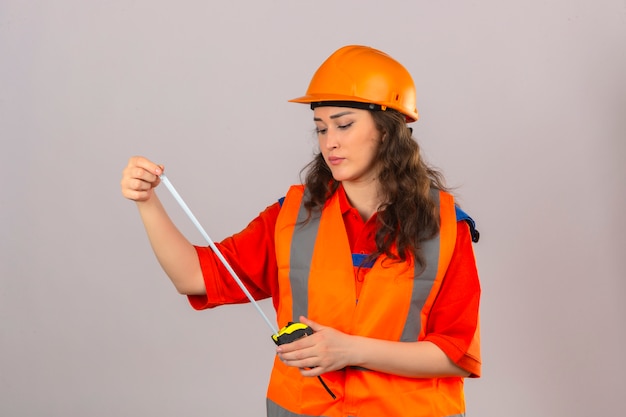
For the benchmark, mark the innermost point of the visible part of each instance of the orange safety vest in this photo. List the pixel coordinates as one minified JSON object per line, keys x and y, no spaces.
{"x":316,"y":280}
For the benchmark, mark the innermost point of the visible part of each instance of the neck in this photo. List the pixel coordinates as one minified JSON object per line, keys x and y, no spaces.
{"x":363,"y":197}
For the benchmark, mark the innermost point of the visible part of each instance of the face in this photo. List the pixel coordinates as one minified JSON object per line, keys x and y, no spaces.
{"x":349,"y":142}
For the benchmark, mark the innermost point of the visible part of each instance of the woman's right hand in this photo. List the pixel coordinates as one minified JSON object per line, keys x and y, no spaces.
{"x":139,"y":178}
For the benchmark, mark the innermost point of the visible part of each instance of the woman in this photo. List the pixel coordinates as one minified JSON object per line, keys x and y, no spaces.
{"x":371,"y":253}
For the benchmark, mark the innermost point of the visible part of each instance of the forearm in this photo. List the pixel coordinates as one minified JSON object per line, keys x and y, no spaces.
{"x":411,"y":359}
{"x":328,"y":350}
{"x":175,"y":253}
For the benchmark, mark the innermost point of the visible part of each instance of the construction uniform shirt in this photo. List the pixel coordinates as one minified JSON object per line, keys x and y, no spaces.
{"x":452,"y":321}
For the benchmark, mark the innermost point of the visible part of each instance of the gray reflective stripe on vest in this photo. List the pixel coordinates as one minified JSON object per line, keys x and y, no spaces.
{"x":423,"y":285}
{"x":275,"y":410}
{"x":303,"y":244}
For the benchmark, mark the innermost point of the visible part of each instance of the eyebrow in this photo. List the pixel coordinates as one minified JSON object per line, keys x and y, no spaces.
{"x":334,"y":116}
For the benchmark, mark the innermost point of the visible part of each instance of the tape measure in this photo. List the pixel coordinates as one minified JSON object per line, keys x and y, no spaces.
{"x":291,"y":332}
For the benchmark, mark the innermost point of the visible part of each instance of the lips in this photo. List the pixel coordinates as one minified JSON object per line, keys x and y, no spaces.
{"x":334,"y":160}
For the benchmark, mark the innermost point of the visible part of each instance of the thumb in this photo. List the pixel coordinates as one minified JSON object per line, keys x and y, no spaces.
{"x":313,"y":325}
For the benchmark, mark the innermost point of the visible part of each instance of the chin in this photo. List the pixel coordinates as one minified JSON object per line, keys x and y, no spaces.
{"x":340,"y":178}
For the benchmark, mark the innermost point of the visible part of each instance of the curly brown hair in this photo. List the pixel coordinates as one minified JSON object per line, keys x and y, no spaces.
{"x":408,"y":214}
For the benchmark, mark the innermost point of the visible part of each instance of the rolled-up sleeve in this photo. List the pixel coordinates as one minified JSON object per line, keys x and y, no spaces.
{"x":453,"y":324}
{"x":251,"y":254}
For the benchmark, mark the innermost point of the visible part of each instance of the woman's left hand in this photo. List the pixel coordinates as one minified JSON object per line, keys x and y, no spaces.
{"x":325,"y":350}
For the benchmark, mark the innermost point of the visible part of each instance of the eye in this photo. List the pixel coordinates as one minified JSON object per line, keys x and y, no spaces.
{"x":320,"y":131}
{"x":343,"y":127}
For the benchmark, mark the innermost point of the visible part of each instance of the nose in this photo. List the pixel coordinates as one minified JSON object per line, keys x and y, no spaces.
{"x":330,"y":139}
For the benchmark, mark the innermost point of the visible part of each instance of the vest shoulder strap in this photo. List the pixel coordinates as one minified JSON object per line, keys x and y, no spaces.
{"x":460,"y":216}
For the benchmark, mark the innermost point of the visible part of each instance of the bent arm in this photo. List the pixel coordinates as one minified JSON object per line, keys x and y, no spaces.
{"x":451,"y":345}
{"x":452,"y":328}
{"x":174,"y":252}
{"x":413,"y":359}
{"x":176,"y":255}
{"x":329,"y":350}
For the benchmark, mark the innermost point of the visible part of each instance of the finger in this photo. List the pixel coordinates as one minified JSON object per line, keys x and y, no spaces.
{"x":139,"y":177}
{"x":139,"y":185}
{"x":312,"y":371}
{"x":142,"y":174}
{"x":298,"y":345}
{"x":307,"y":367}
{"x":136,"y":195}
{"x":137,"y":172}
{"x":313,"y":325}
{"x":300,"y":349}
{"x":309,"y":362}
{"x":146,"y":164}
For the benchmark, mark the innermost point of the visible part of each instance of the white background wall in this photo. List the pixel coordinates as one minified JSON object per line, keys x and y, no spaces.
{"x":523,"y":106}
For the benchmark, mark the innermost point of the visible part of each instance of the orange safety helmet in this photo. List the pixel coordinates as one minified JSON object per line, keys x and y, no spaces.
{"x":363,"y":77}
